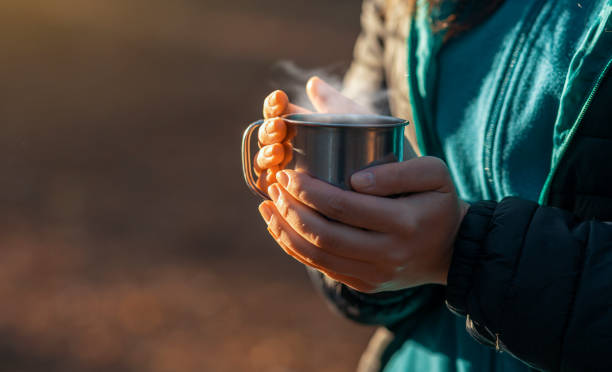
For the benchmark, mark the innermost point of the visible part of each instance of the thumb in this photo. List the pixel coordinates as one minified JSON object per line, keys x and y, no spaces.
{"x":415,"y":175}
{"x":327,"y":99}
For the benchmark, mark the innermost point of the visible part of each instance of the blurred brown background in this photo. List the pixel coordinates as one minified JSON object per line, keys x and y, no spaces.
{"x":128,"y":241}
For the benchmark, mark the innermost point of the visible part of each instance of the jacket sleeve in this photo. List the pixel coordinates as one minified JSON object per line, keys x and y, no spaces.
{"x":365,"y":80}
{"x":386,"y":308}
{"x":535,"y":282}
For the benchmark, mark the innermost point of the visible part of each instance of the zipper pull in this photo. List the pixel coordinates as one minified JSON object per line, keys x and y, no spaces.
{"x":497,"y":344}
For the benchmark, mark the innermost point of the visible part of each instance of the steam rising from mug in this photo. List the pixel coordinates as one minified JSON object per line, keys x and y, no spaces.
{"x":293,"y":78}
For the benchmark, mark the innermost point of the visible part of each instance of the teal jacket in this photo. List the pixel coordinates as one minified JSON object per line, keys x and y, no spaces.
{"x":589,"y":64}
{"x":524,"y":274}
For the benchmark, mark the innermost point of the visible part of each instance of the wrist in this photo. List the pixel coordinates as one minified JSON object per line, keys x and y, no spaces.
{"x":443,"y":274}
{"x":464,"y":208}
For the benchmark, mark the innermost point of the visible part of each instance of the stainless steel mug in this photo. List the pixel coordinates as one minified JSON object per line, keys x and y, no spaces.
{"x":331,"y":147}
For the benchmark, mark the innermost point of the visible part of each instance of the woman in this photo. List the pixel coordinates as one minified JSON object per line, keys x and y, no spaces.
{"x":510,"y":234}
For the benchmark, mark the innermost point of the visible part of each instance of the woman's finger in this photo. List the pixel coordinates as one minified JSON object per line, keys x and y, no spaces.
{"x":312,"y":255}
{"x":354,"y":283}
{"x":415,"y":175}
{"x":272,"y":131}
{"x":267,"y":178}
{"x":295,"y":109}
{"x":355,"y":209}
{"x":334,"y":237}
{"x":288,"y":155}
{"x":277,"y":104}
{"x":327,"y":99}
{"x":270,"y":155}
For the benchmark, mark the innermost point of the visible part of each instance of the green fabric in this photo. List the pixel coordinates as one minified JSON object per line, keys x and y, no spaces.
{"x":495,"y":107}
{"x":440,"y":342}
{"x":423,"y":44}
{"x":587,"y":68}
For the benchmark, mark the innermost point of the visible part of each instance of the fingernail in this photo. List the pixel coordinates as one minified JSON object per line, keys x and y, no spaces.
{"x":311,"y":82}
{"x":362,"y":180}
{"x":272,"y":99}
{"x":266,"y":212}
{"x":282,"y":178}
{"x":273,"y":192}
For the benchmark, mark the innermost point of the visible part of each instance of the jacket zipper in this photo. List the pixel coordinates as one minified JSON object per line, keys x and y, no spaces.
{"x":490,"y":341}
{"x":587,"y":104}
{"x":546,"y":188}
{"x":483,"y":335}
{"x":492,"y":125}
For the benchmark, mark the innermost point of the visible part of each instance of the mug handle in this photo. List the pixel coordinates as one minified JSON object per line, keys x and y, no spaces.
{"x":247,"y":165}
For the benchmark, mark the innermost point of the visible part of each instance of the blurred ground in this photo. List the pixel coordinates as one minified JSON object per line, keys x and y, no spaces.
{"x":128,"y":241}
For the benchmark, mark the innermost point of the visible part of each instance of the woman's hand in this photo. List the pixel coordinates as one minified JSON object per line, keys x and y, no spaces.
{"x":274,"y":143}
{"x":370,"y":242}
{"x":274,"y":139}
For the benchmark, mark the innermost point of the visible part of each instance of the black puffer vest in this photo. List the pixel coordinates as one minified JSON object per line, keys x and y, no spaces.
{"x":583,"y":183}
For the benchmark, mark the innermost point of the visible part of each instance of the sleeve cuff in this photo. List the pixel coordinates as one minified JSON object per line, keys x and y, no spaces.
{"x":385,"y":308}
{"x":467,"y":250}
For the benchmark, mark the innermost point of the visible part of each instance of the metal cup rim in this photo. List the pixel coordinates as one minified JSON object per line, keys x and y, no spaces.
{"x":345,"y":120}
